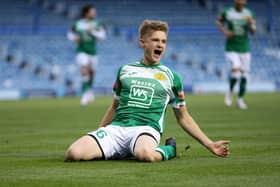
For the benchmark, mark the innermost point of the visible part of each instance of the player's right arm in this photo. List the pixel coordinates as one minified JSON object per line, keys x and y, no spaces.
{"x":221,"y":27}
{"x":108,"y":117}
{"x":72,"y":35}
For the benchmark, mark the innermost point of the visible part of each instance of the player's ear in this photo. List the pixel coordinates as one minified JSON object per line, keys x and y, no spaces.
{"x":141,"y":42}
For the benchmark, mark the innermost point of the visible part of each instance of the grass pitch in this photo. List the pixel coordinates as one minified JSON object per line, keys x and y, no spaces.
{"x":36,"y":133}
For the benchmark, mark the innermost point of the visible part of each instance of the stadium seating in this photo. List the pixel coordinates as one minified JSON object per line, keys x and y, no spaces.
{"x":44,"y":58}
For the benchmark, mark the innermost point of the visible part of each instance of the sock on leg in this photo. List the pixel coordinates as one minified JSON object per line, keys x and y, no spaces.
{"x":167,"y":151}
{"x":242,"y":88}
{"x":234,"y":77}
{"x":232,"y":82}
{"x":86,"y":83}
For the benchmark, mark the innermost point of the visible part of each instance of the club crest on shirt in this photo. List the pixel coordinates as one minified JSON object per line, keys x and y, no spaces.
{"x":246,"y":18}
{"x":160,"y":76}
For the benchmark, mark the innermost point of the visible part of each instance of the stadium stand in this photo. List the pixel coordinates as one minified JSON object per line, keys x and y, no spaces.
{"x":35,"y":54}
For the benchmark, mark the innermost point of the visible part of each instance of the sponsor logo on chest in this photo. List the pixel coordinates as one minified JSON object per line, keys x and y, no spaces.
{"x":141,"y":93}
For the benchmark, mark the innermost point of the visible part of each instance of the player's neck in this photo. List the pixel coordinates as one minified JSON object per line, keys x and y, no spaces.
{"x":238,"y":8}
{"x":88,"y":18}
{"x":149,"y":63}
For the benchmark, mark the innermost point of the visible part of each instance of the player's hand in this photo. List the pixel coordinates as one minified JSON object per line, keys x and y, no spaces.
{"x":228,"y":34}
{"x":252,"y":24}
{"x":251,"y":21}
{"x":220,"y":148}
{"x":77,"y":39}
{"x":90,"y":29}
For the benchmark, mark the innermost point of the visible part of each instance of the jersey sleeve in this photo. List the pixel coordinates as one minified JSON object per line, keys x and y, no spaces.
{"x":74,"y":27}
{"x":117,"y":85}
{"x":178,"y":96}
{"x":222,"y":15}
{"x":98,"y":24}
{"x":253,"y":15}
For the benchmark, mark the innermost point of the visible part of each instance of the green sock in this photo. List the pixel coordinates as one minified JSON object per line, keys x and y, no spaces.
{"x":242,"y":88}
{"x":86,"y":85}
{"x":167,"y":151}
{"x":232,"y":82}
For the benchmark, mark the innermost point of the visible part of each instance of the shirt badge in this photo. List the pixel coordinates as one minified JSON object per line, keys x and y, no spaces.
{"x":160,"y":76}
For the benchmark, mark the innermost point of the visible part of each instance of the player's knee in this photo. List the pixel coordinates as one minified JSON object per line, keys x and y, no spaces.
{"x":146,"y":155}
{"x":235,"y":70}
{"x":85,"y":70}
{"x":73,"y":154}
{"x":236,"y":73}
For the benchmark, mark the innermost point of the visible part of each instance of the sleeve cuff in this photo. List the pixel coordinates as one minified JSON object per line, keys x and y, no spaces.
{"x":177,"y":105}
{"x":116,"y":96}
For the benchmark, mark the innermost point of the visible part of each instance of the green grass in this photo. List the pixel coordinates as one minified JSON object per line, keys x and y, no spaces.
{"x":34,"y":135}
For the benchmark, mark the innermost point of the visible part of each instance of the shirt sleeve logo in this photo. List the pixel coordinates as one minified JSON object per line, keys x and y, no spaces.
{"x":115,"y":85}
{"x":181,"y":95}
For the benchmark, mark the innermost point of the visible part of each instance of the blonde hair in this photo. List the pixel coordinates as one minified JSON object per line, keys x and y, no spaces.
{"x":149,"y":26}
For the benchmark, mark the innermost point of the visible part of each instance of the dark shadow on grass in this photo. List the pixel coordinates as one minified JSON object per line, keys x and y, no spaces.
{"x":127,"y":160}
{"x":131,"y":160}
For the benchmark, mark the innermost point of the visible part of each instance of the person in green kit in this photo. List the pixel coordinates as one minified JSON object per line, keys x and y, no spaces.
{"x":134,"y":123}
{"x":240,"y":21}
{"x":85,"y":32}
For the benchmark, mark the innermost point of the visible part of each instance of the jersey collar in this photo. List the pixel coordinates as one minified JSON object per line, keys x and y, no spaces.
{"x":154,"y":65}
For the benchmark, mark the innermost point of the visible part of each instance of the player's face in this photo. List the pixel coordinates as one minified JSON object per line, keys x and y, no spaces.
{"x":154,"y":45}
{"x":91,"y":14}
{"x":240,"y":3}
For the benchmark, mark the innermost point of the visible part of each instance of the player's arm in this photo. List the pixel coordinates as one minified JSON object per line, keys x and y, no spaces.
{"x":185,"y":120}
{"x":222,"y":28}
{"x":99,"y":33}
{"x":108,"y":117}
{"x":252,"y":25}
{"x":73,"y":36}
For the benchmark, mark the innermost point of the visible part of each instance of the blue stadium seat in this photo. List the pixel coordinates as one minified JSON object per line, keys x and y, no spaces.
{"x":198,"y":57}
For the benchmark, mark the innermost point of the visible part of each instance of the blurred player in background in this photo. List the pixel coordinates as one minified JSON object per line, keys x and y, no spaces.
{"x":134,"y":123}
{"x":239,"y":20}
{"x":85,"y":32}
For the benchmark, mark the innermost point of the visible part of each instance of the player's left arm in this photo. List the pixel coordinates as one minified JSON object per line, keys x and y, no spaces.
{"x":99,"y":33}
{"x":219,"y":148}
{"x":252,"y":23}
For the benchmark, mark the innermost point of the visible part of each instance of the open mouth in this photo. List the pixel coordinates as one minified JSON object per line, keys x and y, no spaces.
{"x":157,"y":52}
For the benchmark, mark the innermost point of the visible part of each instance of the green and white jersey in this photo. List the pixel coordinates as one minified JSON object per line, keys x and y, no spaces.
{"x":237,"y":22}
{"x":144,"y":93}
{"x":87,"y":40}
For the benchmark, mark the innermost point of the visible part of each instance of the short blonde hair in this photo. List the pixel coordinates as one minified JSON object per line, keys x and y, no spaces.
{"x":149,"y":26}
